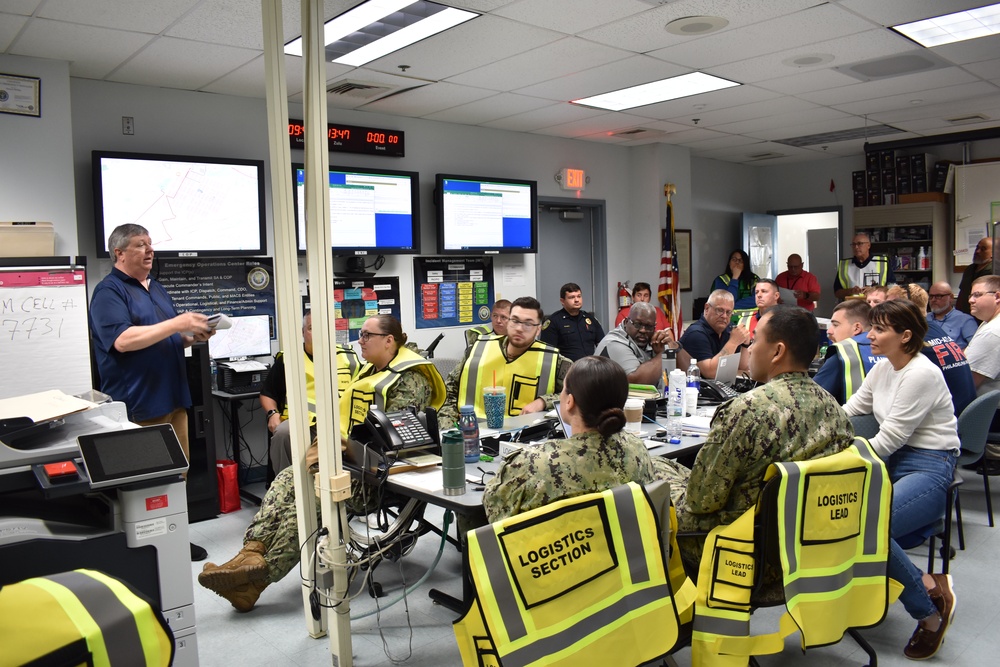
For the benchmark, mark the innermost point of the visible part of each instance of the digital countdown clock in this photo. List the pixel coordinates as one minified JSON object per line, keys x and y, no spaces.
{"x":352,"y":139}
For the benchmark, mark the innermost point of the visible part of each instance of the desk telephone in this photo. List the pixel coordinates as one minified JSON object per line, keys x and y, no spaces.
{"x":395,"y":431}
{"x":716,"y":391}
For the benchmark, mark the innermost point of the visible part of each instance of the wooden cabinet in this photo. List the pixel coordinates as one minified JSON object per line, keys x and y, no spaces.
{"x":899,"y":231}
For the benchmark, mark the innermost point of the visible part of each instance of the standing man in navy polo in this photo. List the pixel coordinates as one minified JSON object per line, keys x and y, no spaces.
{"x":139,"y":339}
{"x":571,"y":329}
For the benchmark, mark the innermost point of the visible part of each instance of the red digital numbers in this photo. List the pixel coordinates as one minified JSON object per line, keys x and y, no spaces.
{"x":296,"y":130}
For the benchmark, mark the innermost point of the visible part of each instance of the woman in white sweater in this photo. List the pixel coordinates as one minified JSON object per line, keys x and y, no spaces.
{"x":918,"y":439}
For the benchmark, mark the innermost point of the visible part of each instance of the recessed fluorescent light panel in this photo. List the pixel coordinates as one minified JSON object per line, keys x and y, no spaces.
{"x":956,"y":27}
{"x":686,"y":85}
{"x":379,"y":27}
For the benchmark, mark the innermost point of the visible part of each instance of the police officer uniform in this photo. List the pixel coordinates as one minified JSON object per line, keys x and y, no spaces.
{"x":576,"y":336}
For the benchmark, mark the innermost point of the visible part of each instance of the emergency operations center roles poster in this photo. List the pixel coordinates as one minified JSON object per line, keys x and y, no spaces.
{"x":452,"y":291}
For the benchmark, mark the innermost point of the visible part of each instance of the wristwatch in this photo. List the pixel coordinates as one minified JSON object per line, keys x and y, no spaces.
{"x":269,"y":413}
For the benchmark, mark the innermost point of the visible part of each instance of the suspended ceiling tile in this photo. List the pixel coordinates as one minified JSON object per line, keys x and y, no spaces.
{"x":10,"y":25}
{"x":479,"y":5}
{"x":763,"y":109}
{"x":808,"y":80}
{"x":987,"y":69}
{"x":473,"y":44}
{"x":645,"y":31}
{"x":608,"y":123}
{"x":919,"y":98}
{"x":571,"y":16}
{"x":809,"y":129}
{"x":23,"y":7}
{"x":250,"y":80}
{"x":720,"y":142}
{"x":561,"y":58}
{"x":970,"y":51}
{"x":427,"y":100}
{"x":489,"y":109}
{"x":690,"y":135}
{"x":845,"y":50}
{"x":696,"y":105}
{"x":92,"y":52}
{"x":807,"y":27}
{"x":148,"y":17}
{"x":229,"y":22}
{"x":544,"y":117}
{"x":754,"y":126}
{"x":604,"y":78}
{"x":180,"y":63}
{"x":869,"y":90}
{"x":986,"y":105}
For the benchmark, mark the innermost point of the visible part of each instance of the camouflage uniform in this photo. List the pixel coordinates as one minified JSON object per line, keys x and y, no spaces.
{"x":275,"y":524}
{"x":584,"y":463}
{"x":448,"y":414}
{"x":791,"y":418}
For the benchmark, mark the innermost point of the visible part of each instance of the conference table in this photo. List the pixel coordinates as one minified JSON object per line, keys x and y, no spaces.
{"x":427,"y":485}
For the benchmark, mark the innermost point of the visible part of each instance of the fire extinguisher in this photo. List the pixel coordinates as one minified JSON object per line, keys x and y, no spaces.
{"x":624,"y":296}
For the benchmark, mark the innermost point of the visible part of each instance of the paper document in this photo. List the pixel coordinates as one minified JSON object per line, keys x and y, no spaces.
{"x":43,"y":406}
{"x":219,"y":321}
{"x":430,"y":479}
{"x":697,"y":425}
{"x":244,"y":366}
{"x":787,"y":296}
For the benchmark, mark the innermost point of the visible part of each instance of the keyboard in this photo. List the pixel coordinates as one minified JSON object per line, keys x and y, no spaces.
{"x":253,"y":388}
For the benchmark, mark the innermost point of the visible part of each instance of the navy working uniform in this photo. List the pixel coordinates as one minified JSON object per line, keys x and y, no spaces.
{"x":576,"y":336}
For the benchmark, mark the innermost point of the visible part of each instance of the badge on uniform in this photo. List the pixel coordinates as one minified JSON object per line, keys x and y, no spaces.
{"x":587,"y":320}
{"x":545,"y":324}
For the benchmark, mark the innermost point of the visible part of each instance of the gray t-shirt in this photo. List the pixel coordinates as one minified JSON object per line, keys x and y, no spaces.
{"x":624,"y":351}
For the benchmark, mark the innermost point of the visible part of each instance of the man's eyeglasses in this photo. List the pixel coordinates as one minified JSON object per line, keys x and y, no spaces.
{"x":365,"y":335}
{"x":976,"y":295}
{"x":859,"y":244}
{"x":500,"y":318}
{"x":721,"y":312}
{"x":641,"y":326}
{"x":939,"y":296}
{"x":518,"y":324}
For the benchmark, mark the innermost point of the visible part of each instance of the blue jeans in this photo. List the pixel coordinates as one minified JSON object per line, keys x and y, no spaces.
{"x":920,"y":480}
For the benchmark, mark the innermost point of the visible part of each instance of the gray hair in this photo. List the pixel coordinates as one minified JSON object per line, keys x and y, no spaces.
{"x":122,"y":235}
{"x":714,"y":297}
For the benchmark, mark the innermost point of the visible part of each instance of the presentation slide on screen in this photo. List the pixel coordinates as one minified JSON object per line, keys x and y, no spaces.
{"x":216,"y":204}
{"x":485,"y":215}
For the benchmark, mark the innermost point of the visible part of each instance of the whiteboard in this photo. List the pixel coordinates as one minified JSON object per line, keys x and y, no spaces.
{"x":977,"y":197}
{"x":44,"y":335}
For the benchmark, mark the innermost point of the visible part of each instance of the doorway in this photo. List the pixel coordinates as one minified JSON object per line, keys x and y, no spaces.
{"x":571,"y":249}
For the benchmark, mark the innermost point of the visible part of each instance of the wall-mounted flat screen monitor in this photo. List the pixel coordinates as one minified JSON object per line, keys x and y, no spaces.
{"x":486,"y":215}
{"x":372,"y":211}
{"x":191,"y":206}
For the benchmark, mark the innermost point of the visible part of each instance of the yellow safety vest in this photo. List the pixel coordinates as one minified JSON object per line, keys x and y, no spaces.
{"x":347,"y":370}
{"x":854,"y":367}
{"x":832,"y":518}
{"x":473,"y":334}
{"x":526,"y":378}
{"x":574,"y":582}
{"x":372,"y":387}
{"x":109,"y":623}
{"x":881,"y":265}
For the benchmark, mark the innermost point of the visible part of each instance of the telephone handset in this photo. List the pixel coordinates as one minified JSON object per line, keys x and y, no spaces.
{"x":712,"y":390}
{"x":394,"y":431}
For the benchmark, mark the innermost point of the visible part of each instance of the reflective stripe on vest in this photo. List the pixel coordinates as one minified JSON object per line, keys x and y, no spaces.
{"x":531,"y":375}
{"x":347,"y":366}
{"x":833,"y":537}
{"x":119,"y":628}
{"x":574,"y":582}
{"x":881,"y":265}
{"x":475,"y":333}
{"x":372,"y":388}
{"x":854,"y":368}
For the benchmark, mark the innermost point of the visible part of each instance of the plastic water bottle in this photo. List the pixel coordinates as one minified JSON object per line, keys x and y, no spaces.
{"x":675,"y":402}
{"x":213,"y":368}
{"x":693,"y":388}
{"x":469,"y":427}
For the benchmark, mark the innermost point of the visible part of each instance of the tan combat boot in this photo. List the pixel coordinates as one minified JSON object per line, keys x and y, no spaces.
{"x":244,"y":597}
{"x":246,"y":567}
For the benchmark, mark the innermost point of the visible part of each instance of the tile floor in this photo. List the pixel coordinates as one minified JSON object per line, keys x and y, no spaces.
{"x":418,"y":632}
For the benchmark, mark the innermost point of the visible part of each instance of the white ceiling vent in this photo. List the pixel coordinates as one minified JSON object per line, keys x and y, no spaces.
{"x":898,"y":65}
{"x":968,"y":119}
{"x":770,"y":155}
{"x":364,"y":90}
{"x":638,"y":133}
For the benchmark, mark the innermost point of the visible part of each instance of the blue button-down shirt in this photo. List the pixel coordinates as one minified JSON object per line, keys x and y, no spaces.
{"x":958,"y":325}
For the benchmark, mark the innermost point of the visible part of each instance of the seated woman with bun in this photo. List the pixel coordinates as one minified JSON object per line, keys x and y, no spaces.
{"x":598,"y":456}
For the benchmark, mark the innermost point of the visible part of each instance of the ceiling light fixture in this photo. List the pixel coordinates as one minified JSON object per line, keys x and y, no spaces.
{"x":685,"y":85}
{"x":956,"y":27}
{"x":379,"y":27}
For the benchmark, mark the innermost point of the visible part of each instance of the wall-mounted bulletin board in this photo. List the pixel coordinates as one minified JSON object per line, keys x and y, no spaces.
{"x":977,"y":203}
{"x":357,"y":299}
{"x":452,"y":291}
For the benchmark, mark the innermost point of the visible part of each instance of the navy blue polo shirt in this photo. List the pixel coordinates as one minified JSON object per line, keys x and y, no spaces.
{"x":152,"y":382}
{"x":701,"y":342}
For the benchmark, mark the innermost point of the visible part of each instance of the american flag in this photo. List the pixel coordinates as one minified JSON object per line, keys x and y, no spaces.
{"x":669,"y":292}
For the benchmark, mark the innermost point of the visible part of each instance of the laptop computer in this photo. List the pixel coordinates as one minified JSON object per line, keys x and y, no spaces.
{"x":567,"y":429}
{"x":727,"y":369}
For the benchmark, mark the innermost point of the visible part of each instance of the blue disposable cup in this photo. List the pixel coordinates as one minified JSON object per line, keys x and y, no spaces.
{"x":495,"y":403}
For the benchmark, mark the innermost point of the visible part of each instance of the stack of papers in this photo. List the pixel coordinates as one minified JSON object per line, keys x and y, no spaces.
{"x":696,"y":425}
